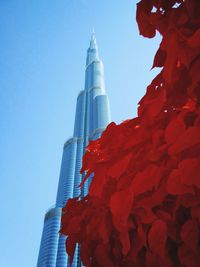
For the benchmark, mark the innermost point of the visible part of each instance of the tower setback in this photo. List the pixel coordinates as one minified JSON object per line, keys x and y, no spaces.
{"x":92,"y":117}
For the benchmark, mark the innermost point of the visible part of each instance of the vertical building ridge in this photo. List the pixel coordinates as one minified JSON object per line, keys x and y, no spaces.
{"x":92,"y":117}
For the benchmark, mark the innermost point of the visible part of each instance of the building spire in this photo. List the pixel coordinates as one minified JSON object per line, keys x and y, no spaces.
{"x":93,"y":42}
{"x":92,"y":53}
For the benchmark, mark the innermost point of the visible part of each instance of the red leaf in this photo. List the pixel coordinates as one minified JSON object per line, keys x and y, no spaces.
{"x":146,"y":215}
{"x":143,"y":18}
{"x":139,"y":138}
{"x":194,"y":71}
{"x":172,"y":49}
{"x":146,"y":180}
{"x":189,"y":200}
{"x":157,"y":137}
{"x":175,"y":185}
{"x":98,"y":181}
{"x":102,"y":256}
{"x":194,"y":40}
{"x":85,"y":253}
{"x":164,"y":216}
{"x":187,"y":257}
{"x":190,"y":172}
{"x":120,"y":205}
{"x":73,"y":227}
{"x":195,"y":212}
{"x":153,"y":101}
{"x":145,"y":27}
{"x":189,"y":138}
{"x":190,"y":234}
{"x":125,"y":241}
{"x":120,"y":166}
{"x":157,"y":237}
{"x":174,"y":129}
{"x":138,"y":241}
{"x":156,"y":104}
{"x":159,"y":58}
{"x":105,"y":228}
{"x":70,"y":248}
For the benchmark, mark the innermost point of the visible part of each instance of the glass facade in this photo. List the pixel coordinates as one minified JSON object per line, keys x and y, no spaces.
{"x":49,"y":242}
{"x":92,"y":117}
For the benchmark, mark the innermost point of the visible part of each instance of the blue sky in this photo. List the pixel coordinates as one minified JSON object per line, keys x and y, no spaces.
{"x":43,"y":49}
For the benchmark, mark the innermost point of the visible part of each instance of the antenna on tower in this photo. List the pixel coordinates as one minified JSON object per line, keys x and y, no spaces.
{"x":93,"y":34}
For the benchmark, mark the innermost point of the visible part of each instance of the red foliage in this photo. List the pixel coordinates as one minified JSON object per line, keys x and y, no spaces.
{"x":143,"y":206}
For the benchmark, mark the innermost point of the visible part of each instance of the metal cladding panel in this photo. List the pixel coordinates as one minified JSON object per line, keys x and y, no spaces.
{"x":94,"y":85}
{"x":78,"y":175}
{"x":92,"y":108}
{"x":80,"y":115}
{"x":62,"y":257}
{"x":101,"y":111}
{"x":66,"y":181}
{"x":95,"y":92}
{"x":98,"y":74}
{"x":92,"y":55}
{"x":96,"y":134}
{"x":95,"y":76}
{"x":65,"y":191}
{"x":88,"y":77}
{"x":49,"y":241}
{"x":85,"y":188}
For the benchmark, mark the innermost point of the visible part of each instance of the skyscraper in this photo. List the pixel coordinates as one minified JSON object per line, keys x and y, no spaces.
{"x":92,"y":117}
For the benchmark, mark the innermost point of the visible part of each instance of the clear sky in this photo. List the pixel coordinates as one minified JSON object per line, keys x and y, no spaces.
{"x":43,"y":48}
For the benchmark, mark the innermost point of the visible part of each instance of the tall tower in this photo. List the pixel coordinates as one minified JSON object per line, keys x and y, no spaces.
{"x":92,"y":117}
